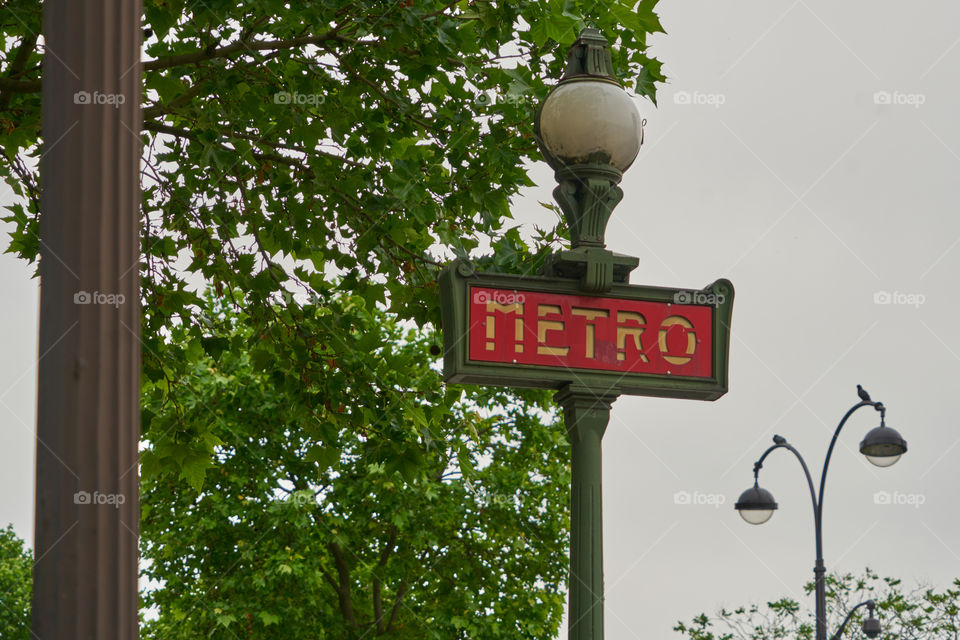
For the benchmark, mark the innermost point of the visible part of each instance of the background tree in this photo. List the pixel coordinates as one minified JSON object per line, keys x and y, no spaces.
{"x":288,"y":143}
{"x":313,"y":164}
{"x":905,"y":613}
{"x":406,"y":513}
{"x":16,"y":584}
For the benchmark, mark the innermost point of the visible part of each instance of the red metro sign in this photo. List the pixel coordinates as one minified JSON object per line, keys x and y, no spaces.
{"x":581,"y":332}
{"x":543,"y":332}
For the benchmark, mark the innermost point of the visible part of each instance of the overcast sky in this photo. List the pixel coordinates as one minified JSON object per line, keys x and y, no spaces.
{"x":808,"y":151}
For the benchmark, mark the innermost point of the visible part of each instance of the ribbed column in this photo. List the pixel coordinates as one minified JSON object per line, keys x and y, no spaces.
{"x":586,"y":413}
{"x":87,"y":508}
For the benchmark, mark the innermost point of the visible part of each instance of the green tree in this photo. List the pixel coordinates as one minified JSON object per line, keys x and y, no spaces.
{"x":288,"y":143}
{"x":918,"y":613}
{"x":313,"y":164}
{"x":16,"y":585}
{"x":397,"y":510}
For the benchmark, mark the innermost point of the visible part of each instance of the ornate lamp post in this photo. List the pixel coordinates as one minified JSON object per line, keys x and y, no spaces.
{"x":590,"y":132}
{"x":579,"y":327}
{"x":882,"y":446}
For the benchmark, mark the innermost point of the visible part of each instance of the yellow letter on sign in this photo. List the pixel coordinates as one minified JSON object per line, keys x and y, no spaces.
{"x":691,"y":340}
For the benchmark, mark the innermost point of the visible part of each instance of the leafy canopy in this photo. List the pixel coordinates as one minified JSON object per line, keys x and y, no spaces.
{"x":396,"y":508}
{"x":307,"y":169}
{"x":326,"y":144}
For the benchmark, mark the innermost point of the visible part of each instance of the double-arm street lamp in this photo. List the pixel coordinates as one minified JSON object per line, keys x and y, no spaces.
{"x":882,"y":446}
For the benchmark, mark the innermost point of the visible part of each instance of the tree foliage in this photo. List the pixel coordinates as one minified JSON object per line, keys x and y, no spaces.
{"x":918,"y":613}
{"x":308,"y":167}
{"x":395,"y":509}
{"x":16,"y":583}
{"x":289,"y":143}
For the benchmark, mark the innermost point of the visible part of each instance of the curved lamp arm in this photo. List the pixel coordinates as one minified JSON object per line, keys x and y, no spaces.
{"x":843,"y":626}
{"x":826,"y":463}
{"x":781,"y":443}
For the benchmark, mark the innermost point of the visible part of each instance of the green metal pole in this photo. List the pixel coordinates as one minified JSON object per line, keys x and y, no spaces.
{"x":586,"y":413}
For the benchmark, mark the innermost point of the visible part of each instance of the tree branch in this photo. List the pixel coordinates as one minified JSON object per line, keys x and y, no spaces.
{"x":329,"y":578}
{"x":11,"y":85}
{"x":179,"y":101}
{"x":273,"y":157}
{"x":343,"y":590}
{"x":377,"y":604}
{"x":402,"y":591}
{"x":20,"y":86}
{"x":240,"y":47}
{"x":17,"y":66}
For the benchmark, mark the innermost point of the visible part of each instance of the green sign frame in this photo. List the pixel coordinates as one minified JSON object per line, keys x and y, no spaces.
{"x":457,"y":278}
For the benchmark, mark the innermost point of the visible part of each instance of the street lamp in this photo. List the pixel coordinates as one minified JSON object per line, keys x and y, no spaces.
{"x":589,"y":131}
{"x":588,"y":119}
{"x":882,"y":446}
{"x":522,"y":330}
{"x":871,"y":626}
{"x":756,"y":505}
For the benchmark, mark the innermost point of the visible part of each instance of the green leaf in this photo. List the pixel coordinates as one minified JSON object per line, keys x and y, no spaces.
{"x":269,"y":618}
{"x":225,"y":619}
{"x":194,"y":470}
{"x":324,"y":457}
{"x":214,"y":346}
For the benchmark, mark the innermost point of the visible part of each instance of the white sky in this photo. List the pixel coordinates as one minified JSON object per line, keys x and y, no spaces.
{"x":811,"y":197}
